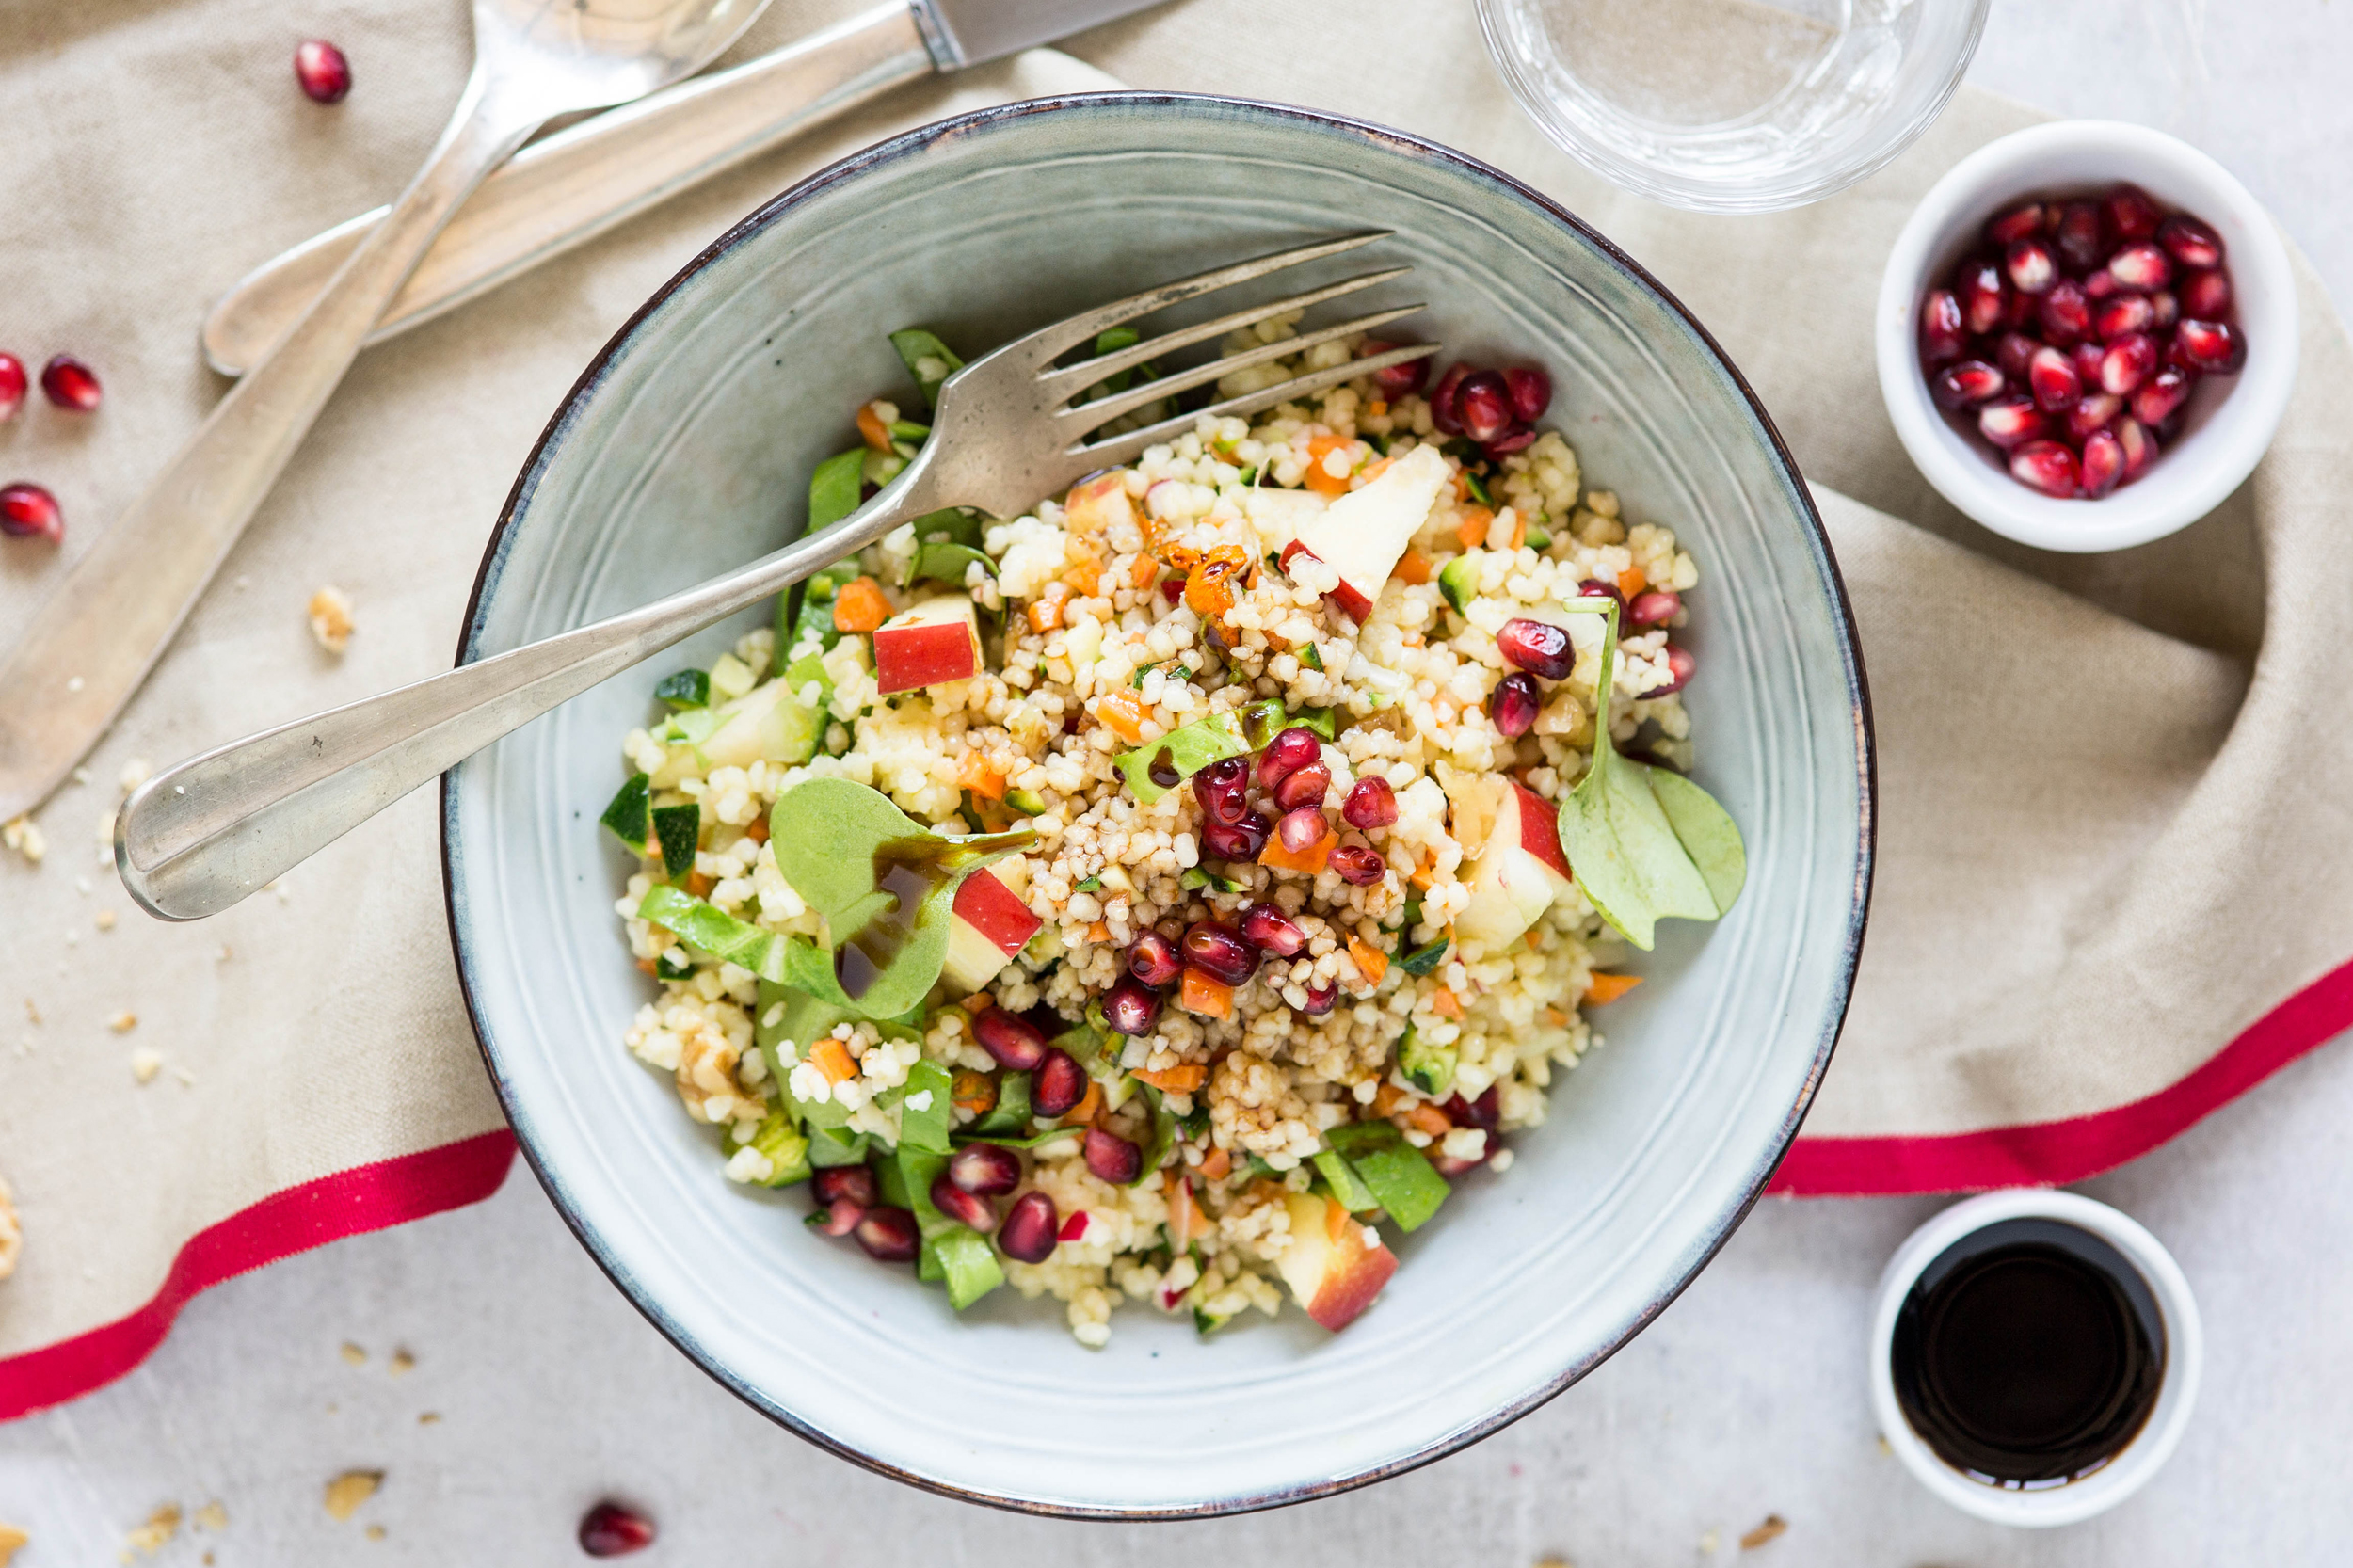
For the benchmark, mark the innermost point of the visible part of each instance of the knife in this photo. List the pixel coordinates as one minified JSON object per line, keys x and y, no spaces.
{"x":60,"y":690}
{"x":580,"y":182}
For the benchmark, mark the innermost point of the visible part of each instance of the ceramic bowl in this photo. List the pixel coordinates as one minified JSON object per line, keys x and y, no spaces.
{"x":2227,"y":421}
{"x":687,"y":448}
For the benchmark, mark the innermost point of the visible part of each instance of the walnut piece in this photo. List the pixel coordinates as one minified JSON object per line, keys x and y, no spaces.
{"x":331,"y":618}
{"x":346,"y":1491}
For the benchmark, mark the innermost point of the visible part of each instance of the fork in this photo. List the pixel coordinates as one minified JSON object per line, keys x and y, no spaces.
{"x":196,"y":837}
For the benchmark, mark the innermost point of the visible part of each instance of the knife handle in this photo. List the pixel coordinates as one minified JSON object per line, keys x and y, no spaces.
{"x":566,"y":188}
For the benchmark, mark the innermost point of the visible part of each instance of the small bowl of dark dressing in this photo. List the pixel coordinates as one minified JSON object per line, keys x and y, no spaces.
{"x":2035,"y":1356}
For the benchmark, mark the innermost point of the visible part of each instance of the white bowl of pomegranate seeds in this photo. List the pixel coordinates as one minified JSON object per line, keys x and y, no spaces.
{"x":2086,"y":334}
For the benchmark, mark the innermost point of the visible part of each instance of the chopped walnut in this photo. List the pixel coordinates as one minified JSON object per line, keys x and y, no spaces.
{"x":346,"y":1491}
{"x":706,"y":1072}
{"x":23,"y":835}
{"x":155,"y":1535}
{"x":123,"y":1022}
{"x":10,"y":1539}
{"x":331,"y":618}
{"x":1775,"y":1525}
{"x":12,"y":1244}
{"x":146,"y":1063}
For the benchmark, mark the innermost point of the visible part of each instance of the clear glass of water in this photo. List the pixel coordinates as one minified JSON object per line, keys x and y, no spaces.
{"x":1733,"y":105}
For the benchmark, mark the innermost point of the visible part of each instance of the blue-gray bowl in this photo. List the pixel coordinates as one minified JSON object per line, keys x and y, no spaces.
{"x":686,"y":449}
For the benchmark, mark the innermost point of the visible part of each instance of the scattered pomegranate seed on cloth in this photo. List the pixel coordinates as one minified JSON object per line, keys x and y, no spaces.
{"x":27,"y":511}
{"x":12,"y":384}
{"x":69,"y":384}
{"x":610,"y":1529}
{"x":320,"y":66}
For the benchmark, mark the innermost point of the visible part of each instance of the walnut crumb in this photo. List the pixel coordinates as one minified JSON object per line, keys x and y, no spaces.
{"x":105,"y":920}
{"x":331,"y":618}
{"x":23,"y":835}
{"x":10,"y":1539}
{"x":1775,"y":1525}
{"x":146,"y":1063}
{"x":402,"y":1362}
{"x":346,"y":1491}
{"x":354,"y":1355}
{"x":375,"y":1532}
{"x":157,"y":1533}
{"x":212,"y":1516}
{"x":123,"y":1022}
{"x":431,"y":1418}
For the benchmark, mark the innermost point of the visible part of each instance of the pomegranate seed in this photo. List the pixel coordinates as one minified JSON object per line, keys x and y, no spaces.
{"x":1970,"y":382}
{"x":1219,"y":951}
{"x":2047,"y":466}
{"x":1444,"y":411}
{"x":322,"y":69}
{"x":2131,"y":212}
{"x":1267,"y":929}
{"x":2012,"y":354}
{"x":1531,"y":393}
{"x":2017,"y":224}
{"x":888,"y":1234}
{"x":1293,"y":749}
{"x":1518,"y":701}
{"x":1594,"y":587}
{"x":988,"y":1169}
{"x":1030,"y":1229}
{"x":2077,"y":240}
{"x":1172,"y":588}
{"x":1395,"y":381}
{"x":2122,"y":313}
{"x":1940,"y":327}
{"x":2088,"y":357}
{"x":1222,"y":788}
{"x":2019,"y":308}
{"x":1060,"y":1083}
{"x":1680,"y":665}
{"x":2030,"y":266}
{"x":1152,"y":959}
{"x":2141,"y":266}
{"x":2165,"y":308}
{"x":1321,"y":999}
{"x":1371,"y":803}
{"x":1111,"y":1157}
{"x":30,"y":512}
{"x":836,"y":1182}
{"x":1302,"y":830}
{"x":838,"y":1218}
{"x":2191,"y":242}
{"x":2103,"y":463}
{"x":2092,"y":413}
{"x":1983,"y":297}
{"x":1483,"y":404}
{"x":1518,"y":439}
{"x":2127,"y":363}
{"x":1537,"y":647}
{"x":2205,"y":297}
{"x":969,"y":1209}
{"x":1012,"y":1039}
{"x":1241,"y":840}
{"x":2100,"y":284}
{"x":2007,"y":421}
{"x":2213,"y":346}
{"x":609,"y":1530}
{"x":1303,"y":787}
{"x":1655,"y":608}
{"x":69,"y":384}
{"x":2140,"y":447}
{"x":12,"y":384}
{"x":2065,"y":313}
{"x":1358,"y":865}
{"x":2052,"y":375}
{"x":1485,"y":1113}
{"x":1130,"y":1007}
{"x":2158,"y":396}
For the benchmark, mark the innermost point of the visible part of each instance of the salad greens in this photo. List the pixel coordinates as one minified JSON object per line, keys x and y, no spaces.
{"x":835,"y":488}
{"x":686,"y":688}
{"x":928,"y":360}
{"x":1398,"y":1175}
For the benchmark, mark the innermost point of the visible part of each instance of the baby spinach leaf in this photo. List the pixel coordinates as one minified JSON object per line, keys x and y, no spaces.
{"x":925,"y":1126}
{"x":1011,"y":1112}
{"x":928,"y":360}
{"x":1163,"y":1136}
{"x":630,"y":815}
{"x":678,"y":828}
{"x":686,"y":688}
{"x":1708,"y":834}
{"x":945,"y":561}
{"x":835,"y":488}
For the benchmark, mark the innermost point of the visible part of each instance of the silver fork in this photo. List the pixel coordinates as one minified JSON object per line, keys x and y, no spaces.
{"x":196,"y":839}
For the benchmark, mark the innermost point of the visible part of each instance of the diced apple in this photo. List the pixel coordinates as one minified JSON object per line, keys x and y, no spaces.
{"x":765,"y":723}
{"x":1098,"y":504}
{"x":1330,"y":1268}
{"x":1517,"y":874}
{"x":1354,"y":604}
{"x":990,"y":926}
{"x":1540,"y":829}
{"x":934,"y":642}
{"x":1363,"y":533}
{"x":1278,"y":515}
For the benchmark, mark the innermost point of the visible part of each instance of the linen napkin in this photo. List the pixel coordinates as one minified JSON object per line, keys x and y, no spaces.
{"x":2100,"y":776}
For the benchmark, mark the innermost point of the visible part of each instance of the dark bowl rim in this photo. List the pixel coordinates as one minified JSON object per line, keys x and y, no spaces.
{"x":913,"y":142}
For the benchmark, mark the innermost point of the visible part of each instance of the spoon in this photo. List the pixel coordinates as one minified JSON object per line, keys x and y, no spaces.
{"x":94,"y":640}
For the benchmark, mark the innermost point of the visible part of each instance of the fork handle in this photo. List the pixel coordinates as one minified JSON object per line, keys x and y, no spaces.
{"x":194,"y":840}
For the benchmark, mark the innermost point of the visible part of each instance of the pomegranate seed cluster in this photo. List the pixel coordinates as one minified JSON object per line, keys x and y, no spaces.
{"x":1261,"y":916}
{"x":29,"y":510}
{"x":2074,"y":337}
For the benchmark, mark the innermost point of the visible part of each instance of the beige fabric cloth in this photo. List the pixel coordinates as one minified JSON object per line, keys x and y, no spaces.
{"x":2081,"y":895}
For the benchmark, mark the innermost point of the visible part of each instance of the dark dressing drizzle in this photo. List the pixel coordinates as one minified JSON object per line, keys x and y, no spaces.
{"x":909,"y":871}
{"x":1163,"y":769}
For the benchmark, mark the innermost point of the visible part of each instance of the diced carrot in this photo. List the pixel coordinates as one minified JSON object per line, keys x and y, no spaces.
{"x":1085,"y":574}
{"x":1425,"y":874}
{"x":1309,"y":861}
{"x":1632,"y":582}
{"x":1554,"y":1017}
{"x":757,"y":830}
{"x":1045,"y":610}
{"x":1336,"y":1221}
{"x":1216,"y":1165}
{"x":1318,"y":478}
{"x":1461,"y":486}
{"x":1124,"y":711}
{"x":832,"y":1058}
{"x":1086,"y":1111}
{"x":1211,"y":999}
{"x":1099,"y":932}
{"x":1377,"y":407}
{"x":1429,"y":1118}
{"x":977,"y":774}
{"x":699,"y":885}
{"x":646,"y":965}
{"x":1385,"y":1097}
{"x":1183,"y":1078}
{"x":1601,"y":987}
{"x":1144,"y":567}
{"x":1519,"y":530}
{"x":1535,"y":939}
{"x":859,"y":606}
{"x":975,"y":1092}
{"x":1472,"y":530}
{"x":1444,"y":1003}
{"x":1373,"y":470}
{"x":1414,"y":567}
{"x":1370,"y":962}
{"x":872,"y":429}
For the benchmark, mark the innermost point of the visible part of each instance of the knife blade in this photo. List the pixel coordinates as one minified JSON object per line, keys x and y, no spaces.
{"x":571,"y":186}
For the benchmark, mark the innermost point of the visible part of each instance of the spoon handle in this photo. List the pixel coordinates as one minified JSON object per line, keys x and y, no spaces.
{"x":194,"y":839}
{"x":100,"y":632}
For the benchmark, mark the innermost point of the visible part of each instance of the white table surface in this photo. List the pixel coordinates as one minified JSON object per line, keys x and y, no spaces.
{"x":1746,"y":1399}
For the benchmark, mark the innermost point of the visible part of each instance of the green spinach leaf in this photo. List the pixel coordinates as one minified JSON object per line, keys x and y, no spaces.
{"x":945,"y":561}
{"x":835,"y":488}
{"x":928,"y":360}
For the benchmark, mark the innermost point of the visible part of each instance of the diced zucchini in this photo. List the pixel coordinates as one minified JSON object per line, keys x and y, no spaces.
{"x":1424,"y":958}
{"x":786,"y":1147}
{"x":1347,"y":1187}
{"x":1393,"y":1171}
{"x":678,"y":828}
{"x":731,"y":677}
{"x":631,"y":815}
{"x":1028,"y":802}
{"x":1458,"y":580}
{"x":1428,"y":1068}
{"x":686,"y":688}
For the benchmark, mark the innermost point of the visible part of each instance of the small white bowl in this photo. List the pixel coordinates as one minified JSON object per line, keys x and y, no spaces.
{"x":2185,"y":1359}
{"x":2229,"y":420}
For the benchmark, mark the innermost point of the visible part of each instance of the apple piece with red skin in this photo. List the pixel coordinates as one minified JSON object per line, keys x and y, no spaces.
{"x":1363,"y":534}
{"x":927,"y":644}
{"x":1332,"y":1270}
{"x":1352,"y":604}
{"x":1097,"y":505}
{"x":991,"y":924}
{"x":1517,"y":874}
